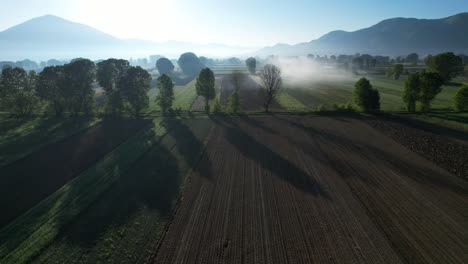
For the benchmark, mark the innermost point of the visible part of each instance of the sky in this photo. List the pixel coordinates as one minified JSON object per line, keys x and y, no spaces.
{"x":252,"y":23}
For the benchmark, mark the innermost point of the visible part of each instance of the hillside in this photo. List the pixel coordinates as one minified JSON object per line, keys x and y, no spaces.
{"x":394,"y":36}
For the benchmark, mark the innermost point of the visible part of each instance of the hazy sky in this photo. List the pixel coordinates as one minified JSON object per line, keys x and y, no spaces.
{"x":237,"y":22}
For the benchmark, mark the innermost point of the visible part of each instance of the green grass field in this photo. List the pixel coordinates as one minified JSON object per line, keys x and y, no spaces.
{"x":158,"y":156}
{"x":20,"y":137}
{"x":184,"y":96}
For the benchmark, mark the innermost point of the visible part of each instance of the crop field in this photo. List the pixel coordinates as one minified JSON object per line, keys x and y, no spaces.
{"x":329,"y":92}
{"x":283,"y":189}
{"x":184,"y":95}
{"x":27,"y":181}
{"x":134,"y":186}
{"x":20,"y":137}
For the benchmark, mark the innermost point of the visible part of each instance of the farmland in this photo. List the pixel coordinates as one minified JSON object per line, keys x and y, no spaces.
{"x":292,"y":186}
{"x":281,"y":189}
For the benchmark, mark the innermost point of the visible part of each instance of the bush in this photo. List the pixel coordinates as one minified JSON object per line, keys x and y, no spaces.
{"x":461,"y":99}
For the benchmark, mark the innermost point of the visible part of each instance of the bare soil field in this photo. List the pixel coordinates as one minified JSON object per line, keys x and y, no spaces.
{"x":27,"y":181}
{"x":284,"y":189}
{"x":249,"y":94}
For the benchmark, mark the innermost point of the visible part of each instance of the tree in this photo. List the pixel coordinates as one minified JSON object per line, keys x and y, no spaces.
{"x":190,"y":64}
{"x":233,"y":102}
{"x":50,"y":88}
{"x":365,"y":96}
{"x":251,"y":64}
{"x":166,"y":92}
{"x":411,"y":91}
{"x":448,"y":65}
{"x":430,"y":83}
{"x":205,"y":86}
{"x":17,"y":93}
{"x":397,"y":71}
{"x":109,"y":73}
{"x":271,"y":80}
{"x":164,"y":66}
{"x":78,"y":80}
{"x":412,"y":58}
{"x":134,"y":86}
{"x":461,"y":99}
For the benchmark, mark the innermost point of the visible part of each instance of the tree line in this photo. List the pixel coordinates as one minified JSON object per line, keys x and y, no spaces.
{"x":419,"y":87}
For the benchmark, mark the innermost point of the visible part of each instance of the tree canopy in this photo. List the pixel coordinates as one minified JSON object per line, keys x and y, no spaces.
{"x":166,"y":92}
{"x":461,"y":99}
{"x":448,"y":65}
{"x":134,"y":86}
{"x":365,"y":96}
{"x":251,"y":65}
{"x":164,"y":66}
{"x":190,"y":64}
{"x":205,"y":86}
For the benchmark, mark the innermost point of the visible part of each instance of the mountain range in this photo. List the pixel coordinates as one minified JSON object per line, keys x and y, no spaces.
{"x":50,"y":36}
{"x":396,"y":36}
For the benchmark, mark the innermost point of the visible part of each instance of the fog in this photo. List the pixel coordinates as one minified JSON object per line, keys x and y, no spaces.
{"x":299,"y":71}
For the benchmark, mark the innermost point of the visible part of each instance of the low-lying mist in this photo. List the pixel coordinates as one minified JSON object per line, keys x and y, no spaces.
{"x":303,"y":71}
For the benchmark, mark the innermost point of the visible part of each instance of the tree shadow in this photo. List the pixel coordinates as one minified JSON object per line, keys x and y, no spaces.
{"x":417,"y":172}
{"x":268,"y":159}
{"x":153,"y":183}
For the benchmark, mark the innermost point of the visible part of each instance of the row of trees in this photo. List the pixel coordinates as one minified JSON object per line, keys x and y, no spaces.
{"x":70,"y":88}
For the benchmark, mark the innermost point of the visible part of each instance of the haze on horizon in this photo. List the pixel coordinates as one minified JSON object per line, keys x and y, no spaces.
{"x":236,"y":23}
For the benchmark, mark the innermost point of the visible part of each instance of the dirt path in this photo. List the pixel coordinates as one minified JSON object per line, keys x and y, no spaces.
{"x":315,"y":190}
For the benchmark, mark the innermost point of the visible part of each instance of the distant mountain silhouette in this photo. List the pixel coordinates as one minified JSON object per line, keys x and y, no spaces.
{"x":396,"y":36}
{"x":50,"y":36}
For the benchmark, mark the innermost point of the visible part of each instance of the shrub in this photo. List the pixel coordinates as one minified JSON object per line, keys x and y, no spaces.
{"x":461,"y":99}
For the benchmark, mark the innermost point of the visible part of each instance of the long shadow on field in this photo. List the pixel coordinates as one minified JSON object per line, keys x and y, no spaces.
{"x":189,"y":146}
{"x":152,"y":184}
{"x":26,"y":182}
{"x":398,"y":163}
{"x":268,"y":159}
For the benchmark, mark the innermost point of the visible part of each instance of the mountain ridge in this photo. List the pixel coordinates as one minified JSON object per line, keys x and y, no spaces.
{"x":394,"y":36}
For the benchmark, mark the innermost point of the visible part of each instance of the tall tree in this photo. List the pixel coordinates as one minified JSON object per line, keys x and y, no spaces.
{"x":17,"y":91}
{"x":134,"y":86}
{"x":412,"y":58}
{"x":448,"y":65}
{"x":251,"y":65}
{"x":50,"y":88}
{"x":365,"y":96}
{"x":164,"y":66}
{"x":206,"y":86}
{"x":78,"y":80}
{"x":190,"y":64}
{"x":431,"y":85}
{"x":271,"y":80}
{"x":166,"y":93}
{"x":397,"y":71}
{"x":109,"y":73}
{"x":233,"y":102}
{"x":411,"y":91}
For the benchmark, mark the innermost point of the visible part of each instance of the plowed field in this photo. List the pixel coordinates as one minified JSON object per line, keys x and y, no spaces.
{"x":282,"y":189}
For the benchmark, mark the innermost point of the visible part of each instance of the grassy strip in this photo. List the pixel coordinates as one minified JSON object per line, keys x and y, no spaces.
{"x":289,"y":103}
{"x":185,"y":97}
{"x":31,"y":232}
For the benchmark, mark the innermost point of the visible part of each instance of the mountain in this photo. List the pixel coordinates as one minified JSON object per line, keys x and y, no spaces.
{"x":396,"y":36}
{"x":50,"y":36}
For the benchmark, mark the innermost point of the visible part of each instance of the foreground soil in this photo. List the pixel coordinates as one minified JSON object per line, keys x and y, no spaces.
{"x":27,"y":181}
{"x":282,"y":189}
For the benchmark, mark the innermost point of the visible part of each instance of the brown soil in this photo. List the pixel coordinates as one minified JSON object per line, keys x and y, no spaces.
{"x":315,"y":190}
